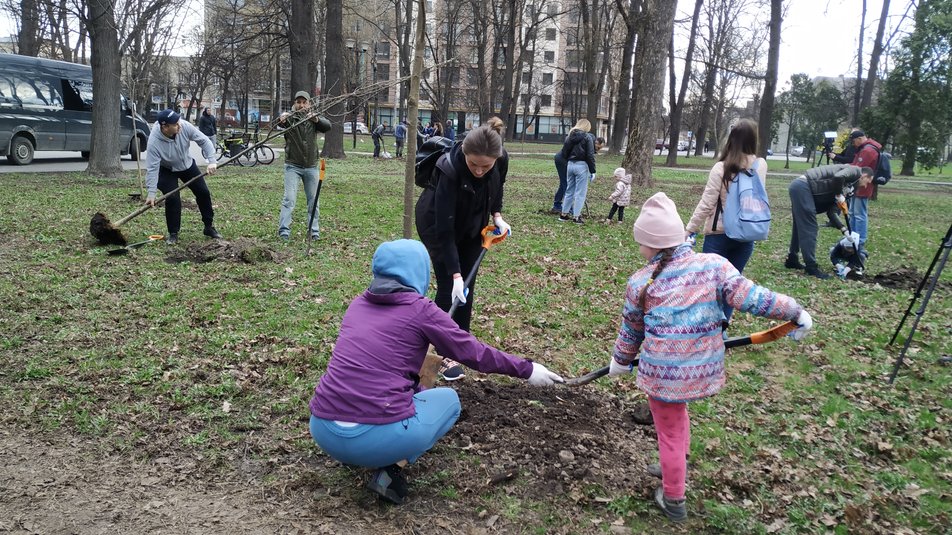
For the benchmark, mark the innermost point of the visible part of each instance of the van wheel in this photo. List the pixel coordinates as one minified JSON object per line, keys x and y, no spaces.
{"x":21,"y":151}
{"x":132,"y":148}
{"x":84,"y":155}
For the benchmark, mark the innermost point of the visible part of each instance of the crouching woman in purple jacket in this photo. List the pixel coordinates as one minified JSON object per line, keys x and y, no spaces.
{"x":368,"y":409}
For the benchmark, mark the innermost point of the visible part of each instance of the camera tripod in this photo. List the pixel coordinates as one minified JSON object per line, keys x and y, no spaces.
{"x":827,"y":149}
{"x":940,"y":258}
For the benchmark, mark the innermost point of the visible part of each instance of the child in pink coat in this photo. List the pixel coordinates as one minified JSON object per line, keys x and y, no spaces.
{"x":621,"y":196}
{"x":671,"y":322}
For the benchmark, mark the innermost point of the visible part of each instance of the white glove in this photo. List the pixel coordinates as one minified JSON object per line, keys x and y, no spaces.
{"x":212,"y":167}
{"x":593,"y":178}
{"x":459,"y":290}
{"x":805,"y":323}
{"x":501,"y":226}
{"x":852,"y":238}
{"x":615,"y":368}
{"x":541,"y":376}
{"x":840,"y":198}
{"x":691,"y":238}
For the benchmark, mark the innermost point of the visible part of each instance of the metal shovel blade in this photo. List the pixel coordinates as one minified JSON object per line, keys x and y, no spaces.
{"x":125,"y":250}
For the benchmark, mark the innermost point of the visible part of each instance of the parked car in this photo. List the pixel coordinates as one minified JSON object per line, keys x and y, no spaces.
{"x":797,"y":151}
{"x":769,"y":152}
{"x":47,"y":105}
{"x":682,"y":145}
{"x":660,"y":144}
{"x":361,"y":128}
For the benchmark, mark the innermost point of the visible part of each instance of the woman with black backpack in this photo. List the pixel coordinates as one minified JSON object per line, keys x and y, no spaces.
{"x":465,"y":193}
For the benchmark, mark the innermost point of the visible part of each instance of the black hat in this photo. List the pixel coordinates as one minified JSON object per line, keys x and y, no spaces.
{"x":167,"y":117}
{"x":857,"y":133}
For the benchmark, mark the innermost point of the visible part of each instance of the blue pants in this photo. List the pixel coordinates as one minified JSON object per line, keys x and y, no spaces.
{"x":859,"y":209}
{"x":577,"y":178}
{"x":376,"y":446}
{"x":736,"y":252}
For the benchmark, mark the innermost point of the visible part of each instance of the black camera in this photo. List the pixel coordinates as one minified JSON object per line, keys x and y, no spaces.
{"x":828,"y":139}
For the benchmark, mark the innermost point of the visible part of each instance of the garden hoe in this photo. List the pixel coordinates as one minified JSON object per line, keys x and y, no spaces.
{"x":761,"y":337}
{"x":131,"y":246}
{"x":431,"y":364}
{"x":108,"y":233}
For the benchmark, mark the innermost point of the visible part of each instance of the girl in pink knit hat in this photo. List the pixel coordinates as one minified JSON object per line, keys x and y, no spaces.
{"x":671,"y":324}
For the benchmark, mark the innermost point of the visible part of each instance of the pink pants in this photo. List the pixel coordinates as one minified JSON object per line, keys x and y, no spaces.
{"x":674,"y":441}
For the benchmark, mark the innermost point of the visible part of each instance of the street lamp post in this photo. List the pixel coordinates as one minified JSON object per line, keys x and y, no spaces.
{"x":376,"y":91}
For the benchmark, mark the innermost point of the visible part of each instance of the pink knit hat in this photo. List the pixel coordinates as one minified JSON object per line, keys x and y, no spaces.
{"x":658,"y":225}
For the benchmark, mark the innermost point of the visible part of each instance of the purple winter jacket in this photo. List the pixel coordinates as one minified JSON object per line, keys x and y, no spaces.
{"x":372,"y":374}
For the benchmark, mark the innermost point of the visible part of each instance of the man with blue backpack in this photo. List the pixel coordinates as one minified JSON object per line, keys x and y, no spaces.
{"x":869,"y":153}
{"x":814,"y":193}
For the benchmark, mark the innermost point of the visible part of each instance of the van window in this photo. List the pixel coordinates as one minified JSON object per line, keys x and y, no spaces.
{"x":37,"y":94}
{"x":79,"y":95}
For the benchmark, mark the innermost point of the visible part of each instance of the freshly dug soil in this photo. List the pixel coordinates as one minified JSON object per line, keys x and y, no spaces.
{"x":242,"y":250}
{"x":904,"y":278}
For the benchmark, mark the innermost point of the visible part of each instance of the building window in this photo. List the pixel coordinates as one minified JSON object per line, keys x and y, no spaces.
{"x":552,"y":9}
{"x":549,"y":56}
{"x":383,"y":50}
{"x":547,"y":78}
{"x":527,"y":77}
{"x":550,"y":34}
{"x":546,"y":101}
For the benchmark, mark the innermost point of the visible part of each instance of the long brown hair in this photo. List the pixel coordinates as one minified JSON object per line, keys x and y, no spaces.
{"x":741,"y":143}
{"x":484,"y":141}
{"x":666,"y":255}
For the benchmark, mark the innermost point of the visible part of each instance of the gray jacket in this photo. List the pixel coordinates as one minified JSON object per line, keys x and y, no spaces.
{"x":173,"y":154}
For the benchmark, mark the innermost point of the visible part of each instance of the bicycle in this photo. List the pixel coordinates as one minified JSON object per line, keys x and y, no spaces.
{"x":233,"y":144}
{"x":264,"y":154}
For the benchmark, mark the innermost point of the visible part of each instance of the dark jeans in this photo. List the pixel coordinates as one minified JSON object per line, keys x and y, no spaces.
{"x":376,"y":146}
{"x":736,"y":252}
{"x":168,"y":181}
{"x":561,"y":167}
{"x":621,"y":212}
{"x":399,"y":142}
{"x":468,"y":251}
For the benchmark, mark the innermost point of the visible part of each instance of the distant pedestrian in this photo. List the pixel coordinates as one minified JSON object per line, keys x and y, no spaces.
{"x":377,"y":137}
{"x":208,"y":125}
{"x":450,"y":132}
{"x":579,"y":150}
{"x":400,"y":137}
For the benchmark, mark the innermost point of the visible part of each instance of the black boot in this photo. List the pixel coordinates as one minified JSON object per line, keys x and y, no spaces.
{"x":815,"y":271}
{"x":390,"y":484}
{"x":793,"y":262}
{"x":172,"y":238}
{"x":212,"y":233}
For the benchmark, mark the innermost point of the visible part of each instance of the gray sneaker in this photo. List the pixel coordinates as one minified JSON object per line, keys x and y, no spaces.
{"x":675,"y":510}
{"x":655,"y":470}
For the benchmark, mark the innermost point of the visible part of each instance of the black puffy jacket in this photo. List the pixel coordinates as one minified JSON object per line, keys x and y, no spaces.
{"x":828,"y":181}
{"x":459,"y":206}
{"x":580,"y":147}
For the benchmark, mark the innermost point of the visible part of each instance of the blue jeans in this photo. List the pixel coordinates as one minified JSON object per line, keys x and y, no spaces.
{"x":859,"y":210}
{"x":376,"y":446}
{"x":577,"y":178}
{"x":736,"y":252}
{"x":292,"y":174}
{"x":560,"y":168}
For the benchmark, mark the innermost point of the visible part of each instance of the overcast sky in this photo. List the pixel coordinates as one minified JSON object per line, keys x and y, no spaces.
{"x":819,"y":36}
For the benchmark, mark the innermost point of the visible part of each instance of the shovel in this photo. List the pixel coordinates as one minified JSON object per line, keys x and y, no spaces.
{"x":131,"y":246}
{"x":761,"y":337}
{"x":490,"y":238}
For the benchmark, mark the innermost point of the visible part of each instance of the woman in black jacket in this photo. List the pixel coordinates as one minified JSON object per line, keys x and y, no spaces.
{"x":579,"y":150}
{"x":450,"y":215}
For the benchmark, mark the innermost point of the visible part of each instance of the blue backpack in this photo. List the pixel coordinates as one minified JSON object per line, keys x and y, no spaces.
{"x":883,"y":172}
{"x":747,"y":213}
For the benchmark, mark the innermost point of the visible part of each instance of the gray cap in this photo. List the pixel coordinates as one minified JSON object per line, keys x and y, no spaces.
{"x":304,"y":94}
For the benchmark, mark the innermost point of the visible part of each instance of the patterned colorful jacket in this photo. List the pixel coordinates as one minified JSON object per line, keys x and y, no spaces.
{"x":680,"y":340}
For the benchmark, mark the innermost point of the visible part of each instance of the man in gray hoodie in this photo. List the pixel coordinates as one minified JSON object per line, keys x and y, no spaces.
{"x":168,"y":161}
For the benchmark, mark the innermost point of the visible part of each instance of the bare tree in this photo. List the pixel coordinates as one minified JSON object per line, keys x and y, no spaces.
{"x":857,"y":92}
{"x":104,"y":143}
{"x":873,"y":72}
{"x":653,"y":35}
{"x":303,"y":41}
{"x":334,"y":79}
{"x":677,"y":104}
{"x":412,"y":108}
{"x":770,"y":80}
{"x":629,"y":14}
{"x":28,"y":38}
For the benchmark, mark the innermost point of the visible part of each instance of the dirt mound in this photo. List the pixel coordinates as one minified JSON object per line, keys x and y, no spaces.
{"x":242,"y":250}
{"x":556,"y":441}
{"x":904,"y":278}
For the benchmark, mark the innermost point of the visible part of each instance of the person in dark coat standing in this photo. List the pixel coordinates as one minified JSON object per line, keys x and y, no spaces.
{"x":208,"y":125}
{"x":579,"y":150}
{"x":467,"y":194}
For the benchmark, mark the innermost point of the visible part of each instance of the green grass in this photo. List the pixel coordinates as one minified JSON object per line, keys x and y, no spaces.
{"x":122,"y":351}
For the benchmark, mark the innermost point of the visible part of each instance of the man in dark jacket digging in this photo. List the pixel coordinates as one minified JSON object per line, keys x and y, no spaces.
{"x":814,"y":193}
{"x":168,"y":161}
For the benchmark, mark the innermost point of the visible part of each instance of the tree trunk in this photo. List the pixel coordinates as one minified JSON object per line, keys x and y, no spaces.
{"x":620,"y":125}
{"x":28,"y":40}
{"x":413,"y":104}
{"x":677,"y":108}
{"x":867,"y":99}
{"x":104,"y":143}
{"x":770,"y":81}
{"x":303,"y":41}
{"x":859,"y":67}
{"x":334,"y":81}
{"x":655,"y":31}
